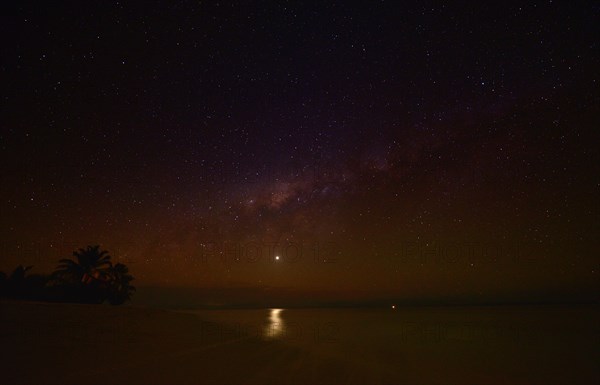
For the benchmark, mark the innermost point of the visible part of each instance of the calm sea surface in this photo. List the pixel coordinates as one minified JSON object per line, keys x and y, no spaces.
{"x":495,"y":344}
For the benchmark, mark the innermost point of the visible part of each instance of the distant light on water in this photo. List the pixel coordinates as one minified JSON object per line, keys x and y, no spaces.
{"x":275,"y":325}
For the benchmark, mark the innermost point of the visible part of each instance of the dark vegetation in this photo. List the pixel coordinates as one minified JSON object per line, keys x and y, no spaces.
{"x":89,"y":277}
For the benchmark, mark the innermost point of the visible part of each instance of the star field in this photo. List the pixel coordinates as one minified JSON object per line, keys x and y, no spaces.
{"x":409,"y":150}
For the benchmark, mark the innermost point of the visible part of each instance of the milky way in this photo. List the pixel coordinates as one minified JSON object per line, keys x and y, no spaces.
{"x":409,"y":150}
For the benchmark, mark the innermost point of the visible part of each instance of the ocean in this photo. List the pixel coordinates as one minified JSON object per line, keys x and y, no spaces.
{"x":434,"y":345}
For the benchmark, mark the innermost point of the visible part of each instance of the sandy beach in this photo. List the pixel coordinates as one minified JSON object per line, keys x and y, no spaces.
{"x":46,"y":343}
{"x":67,"y":343}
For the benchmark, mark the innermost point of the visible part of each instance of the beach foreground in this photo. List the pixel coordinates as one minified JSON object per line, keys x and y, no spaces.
{"x":88,"y":344}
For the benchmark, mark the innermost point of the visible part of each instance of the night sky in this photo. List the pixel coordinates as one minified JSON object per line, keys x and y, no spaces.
{"x":411,"y":150}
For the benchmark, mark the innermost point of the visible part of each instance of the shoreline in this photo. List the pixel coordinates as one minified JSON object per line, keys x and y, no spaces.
{"x":80,"y":343}
{"x":48,"y":343}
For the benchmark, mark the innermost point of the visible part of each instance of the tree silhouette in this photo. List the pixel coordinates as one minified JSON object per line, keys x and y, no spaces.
{"x":16,"y":281}
{"x":120,"y":287}
{"x":84,"y":278}
{"x":89,"y":277}
{"x":22,"y":285}
{"x":88,"y":262}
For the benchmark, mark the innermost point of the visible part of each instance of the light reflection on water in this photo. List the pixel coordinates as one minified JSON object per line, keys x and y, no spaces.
{"x":504,"y":341}
{"x":275,"y":325}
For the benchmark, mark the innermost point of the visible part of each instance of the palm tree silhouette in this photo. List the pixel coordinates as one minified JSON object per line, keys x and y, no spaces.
{"x":90,"y":277}
{"x":120,"y":287}
{"x":88,"y":262}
